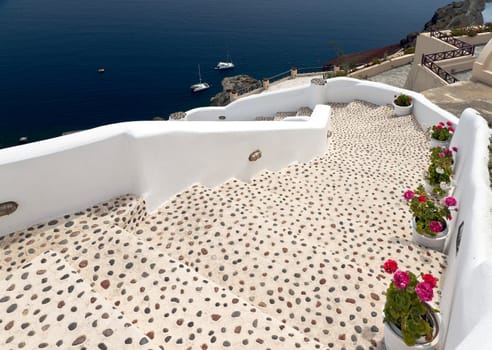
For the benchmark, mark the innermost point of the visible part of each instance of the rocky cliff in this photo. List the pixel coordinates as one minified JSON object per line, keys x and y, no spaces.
{"x":457,"y":14}
{"x":237,"y":83}
{"x":454,"y":15}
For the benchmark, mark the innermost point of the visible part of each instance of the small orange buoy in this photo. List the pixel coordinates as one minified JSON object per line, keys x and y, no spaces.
{"x":100,"y":70}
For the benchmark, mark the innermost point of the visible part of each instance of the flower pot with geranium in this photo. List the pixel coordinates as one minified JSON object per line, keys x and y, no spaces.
{"x":441,"y":134}
{"x":402,"y":104}
{"x":439,"y":174}
{"x":429,"y":222}
{"x":409,"y":319}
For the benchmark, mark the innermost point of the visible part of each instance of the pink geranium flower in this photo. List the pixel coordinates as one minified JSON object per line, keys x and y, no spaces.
{"x":455,"y":149}
{"x":449,"y":124}
{"x":390,"y":266}
{"x":401,"y":279}
{"x":436,"y":226}
{"x":422,"y":198}
{"x":441,"y":124}
{"x":442,"y":154}
{"x":409,"y":194}
{"x":450,"y":201}
{"x":451,"y":129}
{"x":424,"y":291}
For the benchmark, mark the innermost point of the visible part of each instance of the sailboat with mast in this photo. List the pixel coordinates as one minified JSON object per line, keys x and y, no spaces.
{"x":200,"y":86}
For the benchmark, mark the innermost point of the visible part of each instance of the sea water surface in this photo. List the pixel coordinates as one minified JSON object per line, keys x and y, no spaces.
{"x":50,"y":51}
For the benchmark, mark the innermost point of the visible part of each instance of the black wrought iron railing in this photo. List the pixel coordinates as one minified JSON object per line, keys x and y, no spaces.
{"x":443,"y":74}
{"x":249,"y":88}
{"x":280,"y":76}
{"x":460,"y":44}
{"x":462,"y":49}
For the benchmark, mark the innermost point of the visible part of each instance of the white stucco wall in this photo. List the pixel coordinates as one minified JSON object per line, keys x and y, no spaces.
{"x":466,"y":296}
{"x":158,"y":159}
{"x":152,"y":159}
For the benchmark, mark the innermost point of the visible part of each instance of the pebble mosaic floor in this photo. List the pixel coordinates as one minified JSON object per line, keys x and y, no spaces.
{"x":291,"y":260}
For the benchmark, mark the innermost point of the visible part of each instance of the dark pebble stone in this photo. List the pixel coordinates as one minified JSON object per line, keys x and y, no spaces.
{"x":72,"y":326}
{"x":128,"y":340}
{"x":11,"y":308}
{"x":102,"y":346}
{"x":79,"y":340}
{"x":143,"y":341}
{"x":108,"y":332}
{"x":236,"y":314}
{"x":226,"y":343}
{"x":358,"y":329}
{"x":43,"y":345}
{"x":329,"y":319}
{"x":4,"y":299}
{"x":374,"y":329}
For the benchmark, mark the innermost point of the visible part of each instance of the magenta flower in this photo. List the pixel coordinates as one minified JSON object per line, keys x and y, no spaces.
{"x":422,"y":198}
{"x":448,"y":153}
{"x":450,"y":201}
{"x":441,"y":124}
{"x":455,"y":149}
{"x":409,"y":194}
{"x":436,"y":226}
{"x":390,"y":266}
{"x":424,"y":291}
{"x":449,"y":124}
{"x":442,"y":154}
{"x":401,"y":279}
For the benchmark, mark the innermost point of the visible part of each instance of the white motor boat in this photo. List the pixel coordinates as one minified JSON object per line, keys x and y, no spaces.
{"x":200,"y":86}
{"x":224,"y":65}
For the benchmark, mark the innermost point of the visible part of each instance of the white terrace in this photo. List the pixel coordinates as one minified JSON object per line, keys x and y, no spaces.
{"x":240,"y":234}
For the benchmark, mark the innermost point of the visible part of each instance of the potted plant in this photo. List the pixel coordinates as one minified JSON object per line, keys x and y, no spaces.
{"x":402,"y":104}
{"x":441,"y":134}
{"x":429,"y":221}
{"x":409,"y":321}
{"x":438,"y":176}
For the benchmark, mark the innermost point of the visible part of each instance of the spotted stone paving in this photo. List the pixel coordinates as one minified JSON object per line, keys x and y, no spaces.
{"x":290,"y":260}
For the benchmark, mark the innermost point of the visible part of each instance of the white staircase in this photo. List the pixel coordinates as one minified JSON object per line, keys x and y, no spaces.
{"x":290,"y":260}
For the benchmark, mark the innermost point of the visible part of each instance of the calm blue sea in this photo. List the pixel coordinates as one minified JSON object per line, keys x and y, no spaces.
{"x":50,"y":51}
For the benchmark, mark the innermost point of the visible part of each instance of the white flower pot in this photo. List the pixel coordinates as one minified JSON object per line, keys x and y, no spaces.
{"x":402,"y":110}
{"x":434,"y":242}
{"x":447,"y":190}
{"x":437,"y":143}
{"x":393,"y":339}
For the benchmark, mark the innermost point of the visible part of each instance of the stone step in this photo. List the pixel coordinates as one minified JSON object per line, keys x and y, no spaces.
{"x":165,"y":299}
{"x":256,"y":258}
{"x":313,"y":226}
{"x":18,"y":248}
{"x":46,"y":304}
{"x":173,"y":304}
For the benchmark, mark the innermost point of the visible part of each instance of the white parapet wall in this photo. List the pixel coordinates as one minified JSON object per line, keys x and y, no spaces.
{"x":466,"y":303}
{"x":152,"y":159}
{"x":159,"y":159}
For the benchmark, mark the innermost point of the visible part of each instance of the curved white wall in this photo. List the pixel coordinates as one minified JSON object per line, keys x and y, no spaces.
{"x":153,"y":159}
{"x":466,"y":300}
{"x":158,"y":159}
